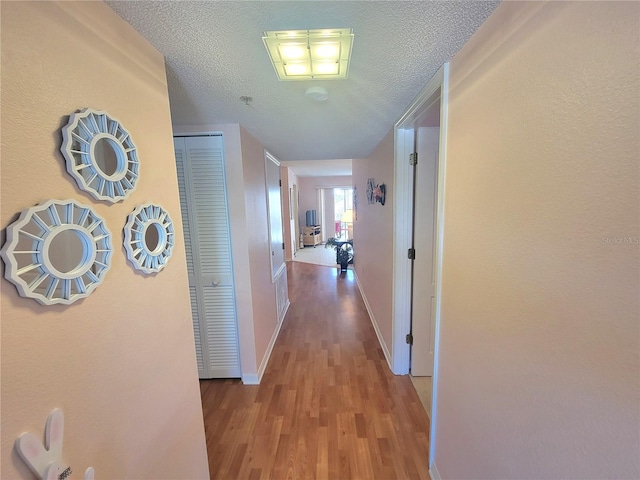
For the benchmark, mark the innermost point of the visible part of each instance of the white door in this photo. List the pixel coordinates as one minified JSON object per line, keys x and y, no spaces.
{"x":424,"y":231}
{"x":205,"y":218}
{"x":295,"y":222}
{"x":274,"y":204}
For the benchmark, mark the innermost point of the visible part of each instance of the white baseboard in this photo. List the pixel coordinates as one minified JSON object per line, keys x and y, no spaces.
{"x":284,"y":313}
{"x":433,"y":472}
{"x":254,"y":378}
{"x":372,"y":317}
{"x":251,"y":379}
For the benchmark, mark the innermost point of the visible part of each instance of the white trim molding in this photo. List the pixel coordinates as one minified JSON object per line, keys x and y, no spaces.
{"x":372,"y":317}
{"x":403,"y":210}
{"x":433,"y":472}
{"x":403,"y":214}
{"x":257,"y":378}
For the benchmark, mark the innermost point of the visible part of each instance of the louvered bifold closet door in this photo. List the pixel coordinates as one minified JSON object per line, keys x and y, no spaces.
{"x":203,"y":198}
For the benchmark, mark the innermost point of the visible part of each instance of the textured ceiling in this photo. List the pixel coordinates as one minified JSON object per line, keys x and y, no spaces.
{"x":320,"y":168}
{"x":215,"y":54}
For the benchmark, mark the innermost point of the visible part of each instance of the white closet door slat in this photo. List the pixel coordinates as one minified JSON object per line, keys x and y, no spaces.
{"x":182,"y":189}
{"x":203,"y":199}
{"x":221,"y":334}
{"x":196,"y":308}
{"x":210,"y":207}
{"x":196,"y":329}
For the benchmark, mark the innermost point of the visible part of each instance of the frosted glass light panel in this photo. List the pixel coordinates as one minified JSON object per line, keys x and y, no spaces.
{"x":322,"y":54}
{"x":149,"y":238}
{"x":100,"y":155}
{"x":57,"y":252}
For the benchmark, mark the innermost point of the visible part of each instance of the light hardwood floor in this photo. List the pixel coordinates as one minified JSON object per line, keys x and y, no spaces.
{"x":328,"y":407}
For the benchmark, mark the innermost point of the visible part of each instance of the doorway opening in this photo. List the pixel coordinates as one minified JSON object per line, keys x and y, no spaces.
{"x":343,"y":213}
{"x":420,"y":142}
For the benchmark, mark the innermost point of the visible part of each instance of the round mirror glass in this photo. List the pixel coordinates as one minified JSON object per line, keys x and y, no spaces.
{"x":66,"y":251}
{"x":105,"y":156}
{"x":152,"y":237}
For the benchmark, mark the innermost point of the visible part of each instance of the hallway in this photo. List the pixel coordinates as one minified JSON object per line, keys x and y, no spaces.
{"x":328,"y":406}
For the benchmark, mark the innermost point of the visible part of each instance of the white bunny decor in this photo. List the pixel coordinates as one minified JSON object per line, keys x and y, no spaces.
{"x":46,"y":461}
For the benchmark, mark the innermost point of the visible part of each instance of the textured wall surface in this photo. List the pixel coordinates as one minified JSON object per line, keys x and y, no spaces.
{"x":265,"y":316}
{"x":539,"y":366}
{"x":373,"y":236}
{"x":121,"y":362}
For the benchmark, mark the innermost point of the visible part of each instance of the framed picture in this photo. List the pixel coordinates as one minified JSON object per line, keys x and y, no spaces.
{"x":370,"y":187}
{"x":380,"y":193}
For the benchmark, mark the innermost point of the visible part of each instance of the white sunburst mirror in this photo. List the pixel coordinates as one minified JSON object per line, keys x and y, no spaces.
{"x":149,"y":238}
{"x":100,"y":155}
{"x":57,"y":252}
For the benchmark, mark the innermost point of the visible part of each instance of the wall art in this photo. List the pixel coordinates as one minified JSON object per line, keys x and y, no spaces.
{"x":100,"y":155}
{"x":355,"y":202}
{"x":57,"y":252}
{"x":380,"y":193}
{"x":149,"y":238}
{"x":46,"y":460}
{"x":370,"y":188}
{"x":376,"y":193}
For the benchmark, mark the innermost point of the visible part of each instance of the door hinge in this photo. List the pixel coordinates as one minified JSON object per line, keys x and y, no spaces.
{"x":413,"y":159}
{"x":283,"y":245}
{"x":411,"y":254}
{"x":280,"y":182}
{"x":409,"y":339}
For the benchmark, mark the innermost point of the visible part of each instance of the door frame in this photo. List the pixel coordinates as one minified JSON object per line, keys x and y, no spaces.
{"x":321,"y":207}
{"x":268,"y":157}
{"x":295,"y":207}
{"x":404,"y":133}
{"x":424,"y":241}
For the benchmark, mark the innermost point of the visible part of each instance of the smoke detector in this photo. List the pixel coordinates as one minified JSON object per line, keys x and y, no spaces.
{"x":317,"y":94}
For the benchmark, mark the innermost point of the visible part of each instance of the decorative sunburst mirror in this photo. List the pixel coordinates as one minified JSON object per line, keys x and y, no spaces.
{"x":100,"y":155}
{"x":149,"y":238}
{"x":57,"y":252}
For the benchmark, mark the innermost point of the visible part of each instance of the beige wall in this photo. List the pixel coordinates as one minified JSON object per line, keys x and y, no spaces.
{"x":121,"y":362}
{"x":539,"y":341}
{"x":373,"y":237}
{"x":265,"y":316}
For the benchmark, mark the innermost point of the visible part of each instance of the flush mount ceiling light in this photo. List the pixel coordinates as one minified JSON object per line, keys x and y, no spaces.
{"x":310,"y":54}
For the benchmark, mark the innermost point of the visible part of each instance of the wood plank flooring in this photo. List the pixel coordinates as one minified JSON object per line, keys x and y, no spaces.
{"x":328,"y":407}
